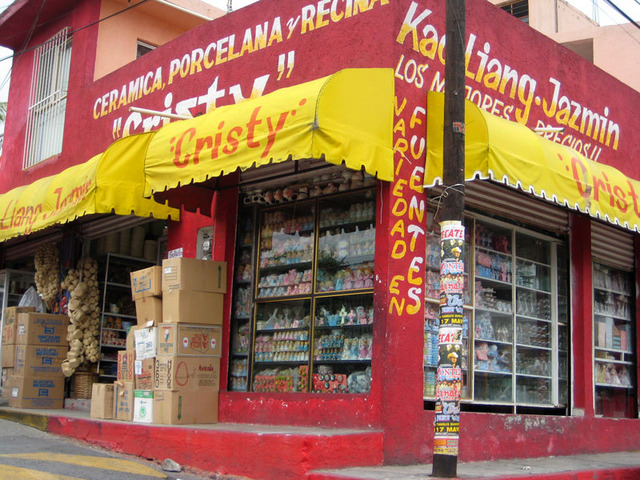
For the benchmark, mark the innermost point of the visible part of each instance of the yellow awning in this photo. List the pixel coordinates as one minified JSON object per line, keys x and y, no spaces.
{"x":346,"y":117}
{"x":514,"y":155}
{"x":111,"y":182}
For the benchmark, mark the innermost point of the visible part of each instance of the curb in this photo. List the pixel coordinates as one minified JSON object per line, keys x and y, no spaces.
{"x":38,"y":421}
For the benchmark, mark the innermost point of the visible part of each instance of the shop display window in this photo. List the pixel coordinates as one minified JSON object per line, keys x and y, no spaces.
{"x":343,"y":344}
{"x":302,"y":317}
{"x":613,"y":334}
{"x":515,"y":339}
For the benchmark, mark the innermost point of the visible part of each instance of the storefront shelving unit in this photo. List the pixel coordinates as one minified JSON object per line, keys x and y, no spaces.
{"x":534,"y":328}
{"x":242,"y":314}
{"x":614,"y":359}
{"x":117,"y":310}
{"x":518,"y":316}
{"x":312,"y":296}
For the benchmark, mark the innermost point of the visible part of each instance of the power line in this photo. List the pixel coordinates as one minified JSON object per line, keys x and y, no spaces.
{"x":607,"y":12}
{"x":33,"y":27}
{"x":623,"y":13}
{"x":33,"y":47}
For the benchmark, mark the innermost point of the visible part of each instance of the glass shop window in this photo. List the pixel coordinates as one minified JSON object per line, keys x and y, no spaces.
{"x":515,"y":336}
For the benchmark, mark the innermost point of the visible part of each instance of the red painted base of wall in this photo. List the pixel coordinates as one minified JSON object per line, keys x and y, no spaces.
{"x":486,"y":436}
{"x":265,"y":455}
{"x":280,"y":452}
{"x":299,"y":409}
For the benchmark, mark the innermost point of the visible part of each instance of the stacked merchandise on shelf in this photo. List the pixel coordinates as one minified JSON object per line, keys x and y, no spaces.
{"x":123,"y":304}
{"x":170,"y":371}
{"x":313,"y":307}
{"x":36,"y":354}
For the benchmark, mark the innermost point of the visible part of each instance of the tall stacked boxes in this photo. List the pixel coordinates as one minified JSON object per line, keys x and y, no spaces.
{"x":8,"y":350}
{"x":187,"y":367}
{"x":170,"y":371}
{"x":41,"y":346}
{"x":146,"y":290}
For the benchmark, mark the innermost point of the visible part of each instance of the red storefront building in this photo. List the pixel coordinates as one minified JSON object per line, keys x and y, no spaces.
{"x":310,"y":166}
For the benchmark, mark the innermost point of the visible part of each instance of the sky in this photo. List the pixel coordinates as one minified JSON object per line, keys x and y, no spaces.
{"x":606,"y":16}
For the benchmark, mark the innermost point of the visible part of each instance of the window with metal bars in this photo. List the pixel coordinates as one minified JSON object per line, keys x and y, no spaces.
{"x":519,"y":9}
{"x":48,"y":99}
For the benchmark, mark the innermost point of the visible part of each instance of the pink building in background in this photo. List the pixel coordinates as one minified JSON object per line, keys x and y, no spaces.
{"x":609,"y":47}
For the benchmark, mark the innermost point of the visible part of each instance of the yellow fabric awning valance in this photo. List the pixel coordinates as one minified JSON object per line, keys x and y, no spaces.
{"x":510,"y":153}
{"x":346,"y":117}
{"x":111,"y":182}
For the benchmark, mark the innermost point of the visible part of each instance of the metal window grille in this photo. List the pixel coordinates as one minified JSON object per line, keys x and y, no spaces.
{"x":48,"y":99}
{"x":519,"y":9}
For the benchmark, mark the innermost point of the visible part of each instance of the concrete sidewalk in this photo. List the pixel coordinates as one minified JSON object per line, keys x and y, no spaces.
{"x":602,"y":466}
{"x":298,"y":462}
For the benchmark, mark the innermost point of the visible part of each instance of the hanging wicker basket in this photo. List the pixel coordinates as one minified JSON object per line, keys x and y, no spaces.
{"x":83,"y":383}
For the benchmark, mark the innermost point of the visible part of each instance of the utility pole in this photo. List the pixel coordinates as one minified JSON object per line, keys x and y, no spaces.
{"x":449,"y":374}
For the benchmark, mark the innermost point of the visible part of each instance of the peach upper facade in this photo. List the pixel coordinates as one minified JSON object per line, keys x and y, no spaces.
{"x":154,"y":23}
{"x":608,"y":47}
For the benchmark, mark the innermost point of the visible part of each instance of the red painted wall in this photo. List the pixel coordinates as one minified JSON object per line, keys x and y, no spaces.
{"x":582,"y":302}
{"x":306,"y":40}
{"x":82,"y":62}
{"x":395,"y":403}
{"x":406,"y":36}
{"x":268,"y":455}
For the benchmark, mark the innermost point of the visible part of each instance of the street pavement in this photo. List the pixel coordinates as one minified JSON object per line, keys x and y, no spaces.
{"x":612,"y":466}
{"x":28,"y":453}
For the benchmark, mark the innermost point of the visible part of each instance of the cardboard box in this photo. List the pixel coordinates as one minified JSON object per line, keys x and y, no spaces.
{"x":9,"y":334}
{"x":4,"y":375}
{"x":125,"y":365}
{"x":39,"y":360}
{"x":42,"y":329}
{"x":193,"y":274}
{"x":123,"y":400}
{"x":36,"y":392}
{"x":149,"y":309}
{"x":185,"y":406}
{"x":11,"y":313}
{"x":192,"y":307}
{"x":8,"y":356}
{"x":146,"y":342}
{"x":143,"y":406}
{"x":144,"y":373}
{"x":131,"y":339}
{"x":173,"y":373}
{"x":146,"y":282}
{"x":10,"y":323}
{"x":4,"y":382}
{"x":183,"y":339}
{"x":102,"y":400}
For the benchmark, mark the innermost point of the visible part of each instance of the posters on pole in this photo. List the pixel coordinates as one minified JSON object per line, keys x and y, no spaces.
{"x":449,"y":373}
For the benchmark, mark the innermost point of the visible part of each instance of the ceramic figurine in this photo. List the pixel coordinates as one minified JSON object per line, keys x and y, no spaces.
{"x":361,"y":316}
{"x":343,"y":315}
